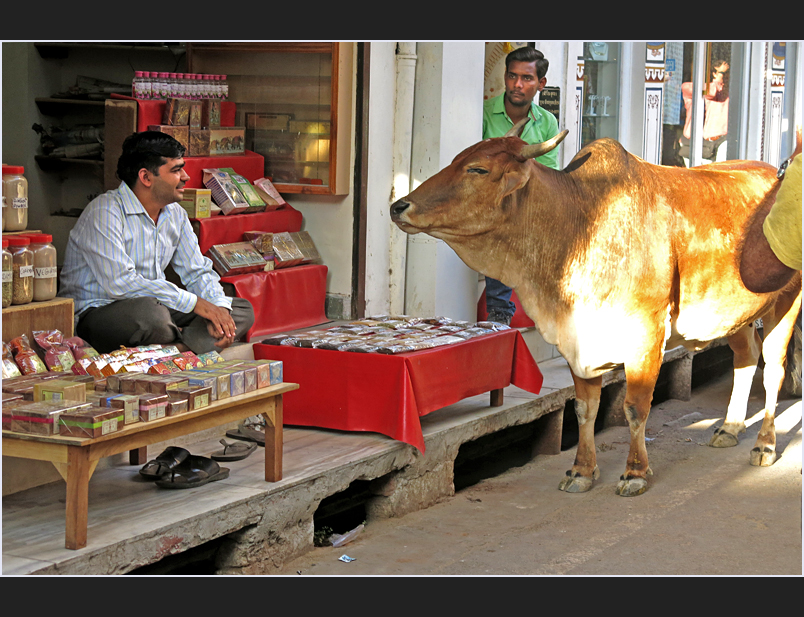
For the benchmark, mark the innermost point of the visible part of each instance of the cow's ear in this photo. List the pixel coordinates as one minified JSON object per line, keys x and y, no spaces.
{"x":513,"y":180}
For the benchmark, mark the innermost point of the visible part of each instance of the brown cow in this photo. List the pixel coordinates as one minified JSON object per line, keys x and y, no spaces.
{"x":616,"y":259}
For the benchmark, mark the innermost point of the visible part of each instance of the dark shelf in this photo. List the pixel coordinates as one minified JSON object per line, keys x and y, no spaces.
{"x":58,"y":107}
{"x":50,"y":163}
{"x":56,"y":51}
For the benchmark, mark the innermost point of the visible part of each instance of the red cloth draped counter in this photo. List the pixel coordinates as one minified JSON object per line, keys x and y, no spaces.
{"x":223,"y":229}
{"x":387,"y":394}
{"x":283,"y":300}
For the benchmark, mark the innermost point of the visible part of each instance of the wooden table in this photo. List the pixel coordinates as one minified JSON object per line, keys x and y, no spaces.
{"x":76,"y":458}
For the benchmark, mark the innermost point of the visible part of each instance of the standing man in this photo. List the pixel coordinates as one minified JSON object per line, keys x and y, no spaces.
{"x":525,"y":75}
{"x":716,"y":116}
{"x":117,"y":253}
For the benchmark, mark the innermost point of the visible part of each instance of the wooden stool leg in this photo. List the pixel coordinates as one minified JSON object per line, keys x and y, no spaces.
{"x":274,"y":441}
{"x":138,"y":456}
{"x":78,"y":474}
{"x":497,"y":397}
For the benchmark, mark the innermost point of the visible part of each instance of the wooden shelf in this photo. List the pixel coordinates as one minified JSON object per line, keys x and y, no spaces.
{"x":51,"y":163}
{"x":58,"y":107}
{"x":25,"y":319}
{"x":57,"y":51}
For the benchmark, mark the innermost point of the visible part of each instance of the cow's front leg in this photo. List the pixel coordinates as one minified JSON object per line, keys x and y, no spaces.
{"x":640,"y":381}
{"x":579,"y":479}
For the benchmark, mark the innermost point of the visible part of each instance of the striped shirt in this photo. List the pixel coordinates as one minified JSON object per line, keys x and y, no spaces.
{"x":116,"y":251}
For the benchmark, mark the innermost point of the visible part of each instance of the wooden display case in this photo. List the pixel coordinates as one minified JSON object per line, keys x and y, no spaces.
{"x":295,"y":100}
{"x":56,"y":314}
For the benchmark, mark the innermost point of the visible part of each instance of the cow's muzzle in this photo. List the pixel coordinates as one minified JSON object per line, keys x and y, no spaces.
{"x":397,"y":208}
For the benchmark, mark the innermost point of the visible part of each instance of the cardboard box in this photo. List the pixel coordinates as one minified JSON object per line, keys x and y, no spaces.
{"x":224,"y":192}
{"x":246,"y":189}
{"x":235,"y":258}
{"x":179,"y":133}
{"x":226,"y":141}
{"x":199,"y":142}
{"x":57,"y":390}
{"x":177,"y":112}
{"x":94,"y":422}
{"x":129,"y":404}
{"x":197,"y":203}
{"x":210,"y":113}
{"x":195,"y":115}
{"x":153,"y":407}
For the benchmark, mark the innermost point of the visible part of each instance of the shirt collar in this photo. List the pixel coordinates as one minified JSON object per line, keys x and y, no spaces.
{"x":499,"y":108}
{"x":131,"y":203}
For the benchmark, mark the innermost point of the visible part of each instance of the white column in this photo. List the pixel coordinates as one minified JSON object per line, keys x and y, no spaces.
{"x":448,"y":117}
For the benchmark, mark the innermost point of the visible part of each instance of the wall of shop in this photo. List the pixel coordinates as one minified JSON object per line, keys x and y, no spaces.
{"x":26,"y":76}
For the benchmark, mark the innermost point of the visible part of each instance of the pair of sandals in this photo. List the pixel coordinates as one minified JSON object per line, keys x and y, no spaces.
{"x":176,"y":468}
{"x":252,"y":430}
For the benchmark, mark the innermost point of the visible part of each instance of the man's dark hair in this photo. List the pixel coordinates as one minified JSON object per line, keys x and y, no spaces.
{"x":148,"y":150}
{"x":529,"y":54}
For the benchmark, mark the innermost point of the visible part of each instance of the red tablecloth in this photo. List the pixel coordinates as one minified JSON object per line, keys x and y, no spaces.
{"x":284,"y":299}
{"x":387,"y":394}
{"x":223,"y":229}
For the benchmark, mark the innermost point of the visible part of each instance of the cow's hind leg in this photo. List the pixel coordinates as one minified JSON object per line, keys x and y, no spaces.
{"x":746,"y":345}
{"x":584,"y":471}
{"x":640,"y":380}
{"x":779,"y":324}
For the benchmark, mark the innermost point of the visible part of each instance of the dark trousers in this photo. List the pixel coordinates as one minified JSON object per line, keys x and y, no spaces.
{"x":145,"y":321}
{"x":498,"y":297}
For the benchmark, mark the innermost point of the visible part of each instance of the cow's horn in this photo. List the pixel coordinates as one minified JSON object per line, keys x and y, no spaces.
{"x":515,"y":130}
{"x":531,"y":151}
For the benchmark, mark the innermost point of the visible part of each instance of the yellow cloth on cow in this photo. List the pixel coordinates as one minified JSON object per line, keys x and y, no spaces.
{"x":782,"y":226}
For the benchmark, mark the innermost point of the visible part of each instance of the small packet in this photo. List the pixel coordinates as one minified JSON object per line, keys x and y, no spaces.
{"x":58,"y":356}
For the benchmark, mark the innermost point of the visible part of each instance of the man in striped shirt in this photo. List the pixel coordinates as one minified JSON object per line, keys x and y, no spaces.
{"x":117,"y":253}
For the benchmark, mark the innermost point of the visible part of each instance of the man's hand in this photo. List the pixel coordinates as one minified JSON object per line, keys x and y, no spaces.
{"x":220,"y":324}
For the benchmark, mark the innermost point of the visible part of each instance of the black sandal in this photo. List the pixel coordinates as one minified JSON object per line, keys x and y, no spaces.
{"x":170,"y":458}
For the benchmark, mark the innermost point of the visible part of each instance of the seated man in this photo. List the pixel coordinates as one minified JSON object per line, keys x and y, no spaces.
{"x":117,"y":253}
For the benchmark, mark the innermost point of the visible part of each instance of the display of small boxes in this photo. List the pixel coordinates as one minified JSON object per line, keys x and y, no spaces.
{"x":236,"y":258}
{"x":224,"y":192}
{"x":93,"y":422}
{"x":129,"y":404}
{"x":197,"y":203}
{"x":176,"y":406}
{"x":152,"y":407}
{"x":263,"y":241}
{"x":41,"y":418}
{"x":57,"y":390}
{"x":179,"y":133}
{"x":255,"y":202}
{"x":225,"y":141}
{"x":210,"y":113}
{"x":177,"y":112}
{"x":286,"y":253}
{"x":197,"y":397}
{"x":198,"y":142}
{"x":205,"y":380}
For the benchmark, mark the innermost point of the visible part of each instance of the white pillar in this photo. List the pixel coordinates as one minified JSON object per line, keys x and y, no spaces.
{"x":448,"y":117}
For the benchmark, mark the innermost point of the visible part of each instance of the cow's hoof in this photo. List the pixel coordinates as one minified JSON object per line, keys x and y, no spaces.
{"x":576,"y":483}
{"x":725,"y":438}
{"x":762,"y":457}
{"x":631,"y":487}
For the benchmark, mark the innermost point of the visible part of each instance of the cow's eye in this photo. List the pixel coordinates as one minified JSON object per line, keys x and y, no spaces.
{"x":477,"y":170}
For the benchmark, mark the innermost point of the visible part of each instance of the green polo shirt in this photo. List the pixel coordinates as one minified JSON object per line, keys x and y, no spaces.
{"x":543,"y":126}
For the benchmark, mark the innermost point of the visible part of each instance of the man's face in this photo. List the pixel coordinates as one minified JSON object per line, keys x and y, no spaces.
{"x":521,"y":83}
{"x":168,"y":186}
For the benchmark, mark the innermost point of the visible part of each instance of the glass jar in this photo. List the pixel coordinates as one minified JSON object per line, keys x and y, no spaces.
{"x":7,"y":274}
{"x":15,"y":198}
{"x":44,"y":263}
{"x":22,"y":271}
